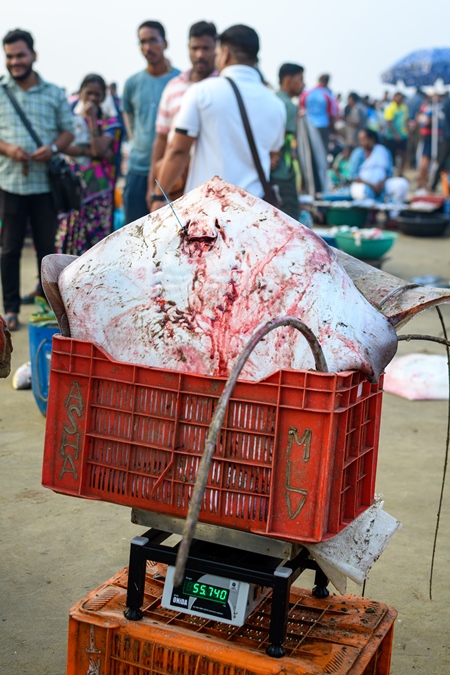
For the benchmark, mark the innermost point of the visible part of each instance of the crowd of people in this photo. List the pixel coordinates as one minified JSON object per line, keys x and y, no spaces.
{"x":219,"y":117}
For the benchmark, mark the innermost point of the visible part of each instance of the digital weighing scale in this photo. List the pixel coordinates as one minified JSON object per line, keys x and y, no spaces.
{"x":222,"y":583}
{"x":208,"y":595}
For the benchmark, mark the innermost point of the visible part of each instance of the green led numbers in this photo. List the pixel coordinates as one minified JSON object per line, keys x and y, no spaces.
{"x":213,"y":593}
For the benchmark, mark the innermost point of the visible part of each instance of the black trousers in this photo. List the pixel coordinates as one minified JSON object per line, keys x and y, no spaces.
{"x":444,"y":153}
{"x":15,"y":212}
{"x":288,"y":196}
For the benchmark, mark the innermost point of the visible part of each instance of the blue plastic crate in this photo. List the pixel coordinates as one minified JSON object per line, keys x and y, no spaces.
{"x":40,"y":355}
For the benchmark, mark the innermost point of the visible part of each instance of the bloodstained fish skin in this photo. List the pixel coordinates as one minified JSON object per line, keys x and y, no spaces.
{"x":189,"y":299}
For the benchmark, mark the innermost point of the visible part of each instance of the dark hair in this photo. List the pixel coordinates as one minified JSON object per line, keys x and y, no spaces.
{"x":289,"y":70}
{"x":93,"y":78}
{"x":203,"y":28}
{"x":156,"y":25}
{"x":354,"y":96}
{"x":243,"y":41}
{"x":324,"y":79}
{"x":370,"y":133}
{"x":19,"y":34}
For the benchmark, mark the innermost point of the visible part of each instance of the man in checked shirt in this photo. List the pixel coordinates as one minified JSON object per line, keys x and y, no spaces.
{"x":24,"y":187}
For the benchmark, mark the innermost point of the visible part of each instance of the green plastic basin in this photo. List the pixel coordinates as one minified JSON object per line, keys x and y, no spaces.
{"x":370,"y":249}
{"x":354,"y":217}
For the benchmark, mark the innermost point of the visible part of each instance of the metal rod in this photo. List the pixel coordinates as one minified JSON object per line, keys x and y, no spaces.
{"x":216,"y":425}
{"x":170,"y":204}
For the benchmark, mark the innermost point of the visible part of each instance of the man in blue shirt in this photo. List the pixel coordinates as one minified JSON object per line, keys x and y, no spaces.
{"x":140,"y":102}
{"x":321,"y":108}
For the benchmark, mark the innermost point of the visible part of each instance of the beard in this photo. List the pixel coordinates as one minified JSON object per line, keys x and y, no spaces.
{"x":23,"y":75}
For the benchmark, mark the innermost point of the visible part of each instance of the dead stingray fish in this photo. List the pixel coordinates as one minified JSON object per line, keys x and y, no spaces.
{"x":189,"y":298}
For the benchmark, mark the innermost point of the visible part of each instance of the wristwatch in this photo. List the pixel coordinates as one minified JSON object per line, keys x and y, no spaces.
{"x":158,"y":198}
{"x":54,"y":148}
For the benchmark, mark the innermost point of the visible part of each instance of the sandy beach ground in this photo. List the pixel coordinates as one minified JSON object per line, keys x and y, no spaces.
{"x":55,"y":549}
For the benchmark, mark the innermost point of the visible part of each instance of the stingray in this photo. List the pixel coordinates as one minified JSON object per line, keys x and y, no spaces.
{"x":187,"y":294}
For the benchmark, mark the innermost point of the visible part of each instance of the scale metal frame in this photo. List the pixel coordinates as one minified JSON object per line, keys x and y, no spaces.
{"x":214,"y":561}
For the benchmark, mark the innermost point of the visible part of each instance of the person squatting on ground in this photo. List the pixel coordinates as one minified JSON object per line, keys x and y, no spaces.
{"x":210,"y":116}
{"x":95,"y":150}
{"x":371,"y":171}
{"x":24,"y":187}
{"x":140,"y":102}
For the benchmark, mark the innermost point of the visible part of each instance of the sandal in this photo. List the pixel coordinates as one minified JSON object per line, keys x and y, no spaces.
{"x":12,"y":322}
{"x":29,"y":298}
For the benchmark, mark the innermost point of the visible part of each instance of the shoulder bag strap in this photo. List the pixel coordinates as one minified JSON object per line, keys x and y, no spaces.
{"x":22,"y":116}
{"x":250,"y":137}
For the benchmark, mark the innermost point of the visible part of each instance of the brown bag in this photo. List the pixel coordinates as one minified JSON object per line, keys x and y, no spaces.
{"x":177,"y":190}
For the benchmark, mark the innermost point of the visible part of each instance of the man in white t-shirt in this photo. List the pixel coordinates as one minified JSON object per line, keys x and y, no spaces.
{"x":210,"y":115}
{"x":202,"y":47}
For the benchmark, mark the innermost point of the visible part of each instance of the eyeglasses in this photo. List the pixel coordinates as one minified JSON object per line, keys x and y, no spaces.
{"x":151,"y":41}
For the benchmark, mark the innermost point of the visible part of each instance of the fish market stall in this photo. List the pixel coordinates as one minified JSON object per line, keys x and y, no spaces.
{"x":231,"y":328}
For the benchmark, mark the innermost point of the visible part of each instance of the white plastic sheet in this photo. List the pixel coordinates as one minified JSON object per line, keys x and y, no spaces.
{"x":352,"y":552}
{"x":418,"y":377}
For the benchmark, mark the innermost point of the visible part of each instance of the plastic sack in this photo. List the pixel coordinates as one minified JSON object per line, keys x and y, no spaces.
{"x":418,"y":377}
{"x":22,"y":377}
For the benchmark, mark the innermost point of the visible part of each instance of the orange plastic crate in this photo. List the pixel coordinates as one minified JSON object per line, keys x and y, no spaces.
{"x":296,"y":459}
{"x":344,"y":635}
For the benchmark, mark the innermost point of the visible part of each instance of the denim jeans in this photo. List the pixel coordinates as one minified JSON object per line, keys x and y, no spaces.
{"x":134,"y":204}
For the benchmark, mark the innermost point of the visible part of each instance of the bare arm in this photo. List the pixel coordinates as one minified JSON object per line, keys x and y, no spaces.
{"x":62,"y":142}
{"x":100,"y":143}
{"x":175,"y":162}
{"x":376,"y":187}
{"x":159,"y":148}
{"x":14,"y":152}
{"x":392,"y":129}
{"x":78,"y":150}
{"x":128,"y":119}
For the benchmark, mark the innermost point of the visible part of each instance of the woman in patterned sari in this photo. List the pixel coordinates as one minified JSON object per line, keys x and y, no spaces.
{"x":95,"y":153}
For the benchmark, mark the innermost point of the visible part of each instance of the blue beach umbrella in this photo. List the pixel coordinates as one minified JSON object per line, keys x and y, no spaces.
{"x":421,"y":68}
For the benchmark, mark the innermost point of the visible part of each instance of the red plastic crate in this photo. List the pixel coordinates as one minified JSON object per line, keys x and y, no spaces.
{"x":340,"y":635}
{"x":296,"y":458}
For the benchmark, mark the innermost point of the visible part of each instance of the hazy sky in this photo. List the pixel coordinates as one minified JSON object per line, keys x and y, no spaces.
{"x":354,"y":40}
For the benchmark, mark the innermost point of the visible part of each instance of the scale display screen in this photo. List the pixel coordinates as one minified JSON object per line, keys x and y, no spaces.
{"x":212,"y":596}
{"x":196,"y":589}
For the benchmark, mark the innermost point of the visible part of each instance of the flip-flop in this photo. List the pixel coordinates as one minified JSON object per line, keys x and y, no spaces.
{"x":12,"y":322}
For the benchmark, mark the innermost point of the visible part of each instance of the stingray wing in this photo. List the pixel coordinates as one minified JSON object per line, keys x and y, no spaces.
{"x":399,"y":300}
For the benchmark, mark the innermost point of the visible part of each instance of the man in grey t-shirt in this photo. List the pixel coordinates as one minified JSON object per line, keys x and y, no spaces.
{"x":140,"y":102}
